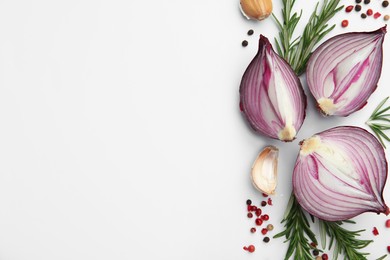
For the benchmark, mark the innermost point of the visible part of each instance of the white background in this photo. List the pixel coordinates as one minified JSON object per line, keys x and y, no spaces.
{"x":121,"y":137}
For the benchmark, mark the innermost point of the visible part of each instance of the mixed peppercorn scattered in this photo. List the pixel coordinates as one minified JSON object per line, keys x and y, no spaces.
{"x":365,"y":14}
{"x":261,"y":217}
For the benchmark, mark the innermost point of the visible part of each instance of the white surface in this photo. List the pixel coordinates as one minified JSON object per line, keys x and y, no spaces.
{"x":121,"y":136}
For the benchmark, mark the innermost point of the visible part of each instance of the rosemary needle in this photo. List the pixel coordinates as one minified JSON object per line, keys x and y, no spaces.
{"x":297,"y":51}
{"x":379,"y":121}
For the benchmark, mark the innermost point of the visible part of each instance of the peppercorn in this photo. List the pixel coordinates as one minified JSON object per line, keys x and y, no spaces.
{"x":349,"y":8}
{"x":375,"y":231}
{"x":244,"y":43}
{"x":388,"y":223}
{"x":377,"y":15}
{"x":324,"y":257}
{"x":258,"y":212}
{"x":318,"y":258}
{"x":259,"y":221}
{"x":388,"y":249}
{"x":263,"y":203}
{"x":369,"y":12}
{"x":358,"y":8}
{"x":364,"y":16}
{"x":251,"y":248}
{"x":316,"y":252}
{"x":265,"y":217}
{"x":270,"y":227}
{"x":250,"y":32}
{"x":344,"y":23}
{"x":265,"y":194}
{"x":269,"y":201}
{"x":386,"y":17}
{"x":385,"y":3}
{"x":253,"y":230}
{"x":253,"y":208}
{"x":248,"y":202}
{"x":314,"y":245}
{"x":264,"y":231}
{"x":250,"y":215}
{"x":266,"y":239}
{"x":366,"y":2}
{"x":358,"y":1}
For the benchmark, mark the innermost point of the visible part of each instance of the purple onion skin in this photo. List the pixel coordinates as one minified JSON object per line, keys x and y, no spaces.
{"x":273,"y":110}
{"x":344,"y":94}
{"x":323,"y":191}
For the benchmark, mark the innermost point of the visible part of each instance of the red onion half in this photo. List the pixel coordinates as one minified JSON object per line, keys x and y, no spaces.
{"x":340,"y":173}
{"x":271,"y":95}
{"x":343,"y":72}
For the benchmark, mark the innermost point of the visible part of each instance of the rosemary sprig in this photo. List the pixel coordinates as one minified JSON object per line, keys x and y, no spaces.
{"x":379,"y":121}
{"x":297,"y":230}
{"x":345,"y":242}
{"x":297,"y":52}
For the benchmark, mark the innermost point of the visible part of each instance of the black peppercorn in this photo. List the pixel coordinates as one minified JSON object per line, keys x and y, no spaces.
{"x":358,"y":8}
{"x":266,"y":239}
{"x":364,"y":16}
{"x":385,"y":3}
{"x":316,"y":252}
{"x":366,"y":2}
{"x":244,"y":43}
{"x":358,"y":1}
{"x":250,"y":32}
{"x":248,"y":202}
{"x":263,"y":203}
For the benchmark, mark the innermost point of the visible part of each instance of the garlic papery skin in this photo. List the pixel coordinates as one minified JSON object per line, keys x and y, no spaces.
{"x":265,"y":170}
{"x":256,"y":9}
{"x":271,"y":95}
{"x":344,"y":71}
{"x":340,"y":173}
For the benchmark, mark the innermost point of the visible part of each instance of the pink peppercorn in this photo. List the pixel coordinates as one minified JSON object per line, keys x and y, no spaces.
{"x":259,"y":221}
{"x":269,"y":201}
{"x":325,"y":257}
{"x":251,"y":248}
{"x":369,"y":12}
{"x":388,"y":223}
{"x":264,"y":231}
{"x":375,"y":231}
{"x":349,"y":8}
{"x":377,"y":15}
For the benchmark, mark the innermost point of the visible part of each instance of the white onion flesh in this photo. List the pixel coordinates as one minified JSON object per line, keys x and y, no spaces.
{"x":271,"y":96}
{"x":340,"y":173}
{"x":344,"y":71}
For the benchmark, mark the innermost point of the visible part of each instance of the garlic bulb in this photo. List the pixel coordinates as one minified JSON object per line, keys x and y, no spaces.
{"x":341,"y":173}
{"x":256,"y":9}
{"x":271,"y":95}
{"x":265,"y":170}
{"x":343,"y":72}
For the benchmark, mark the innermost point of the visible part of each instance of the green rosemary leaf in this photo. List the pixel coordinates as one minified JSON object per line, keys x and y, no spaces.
{"x":379,"y":106}
{"x":297,"y":231}
{"x":346,"y":242}
{"x":382,"y":257}
{"x":379,"y":121}
{"x":297,"y":52}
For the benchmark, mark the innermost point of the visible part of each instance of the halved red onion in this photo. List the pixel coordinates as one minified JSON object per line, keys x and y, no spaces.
{"x":340,"y":173}
{"x":343,"y":72}
{"x":271,"y":95}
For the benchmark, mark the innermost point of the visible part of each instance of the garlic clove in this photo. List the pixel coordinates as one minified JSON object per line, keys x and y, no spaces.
{"x":256,"y":9}
{"x":265,"y":170}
